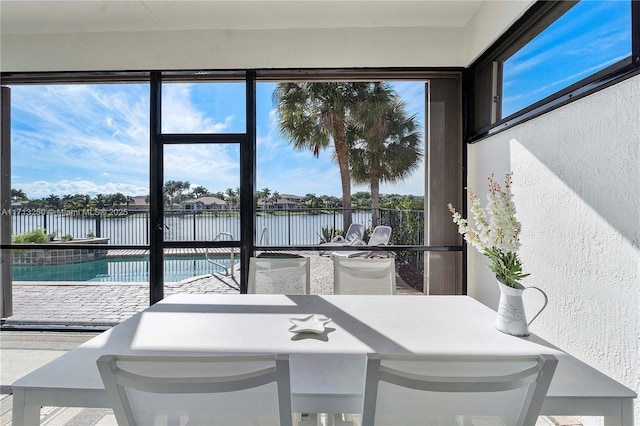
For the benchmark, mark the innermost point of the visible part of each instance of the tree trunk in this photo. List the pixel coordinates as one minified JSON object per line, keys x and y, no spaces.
{"x":375,"y":198}
{"x":340,"y":145}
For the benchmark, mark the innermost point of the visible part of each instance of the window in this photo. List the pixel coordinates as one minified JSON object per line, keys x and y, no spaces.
{"x":556,"y":53}
{"x":590,"y":37}
{"x":80,"y":161}
{"x":177,"y":202}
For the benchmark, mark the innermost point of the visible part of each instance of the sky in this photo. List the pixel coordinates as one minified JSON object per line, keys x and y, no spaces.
{"x":589,"y":37}
{"x":90,"y":139}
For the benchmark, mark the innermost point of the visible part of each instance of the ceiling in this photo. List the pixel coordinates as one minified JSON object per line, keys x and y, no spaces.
{"x":65,"y":17}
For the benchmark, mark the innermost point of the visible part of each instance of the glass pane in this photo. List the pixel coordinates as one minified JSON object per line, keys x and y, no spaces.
{"x":74,"y":286}
{"x":201,"y":192}
{"x":80,"y":162}
{"x":197,"y":270}
{"x":299,"y":186}
{"x":589,"y":37}
{"x":204,"y":107}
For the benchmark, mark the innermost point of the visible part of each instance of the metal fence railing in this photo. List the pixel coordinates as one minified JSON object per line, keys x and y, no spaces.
{"x":280,"y":227}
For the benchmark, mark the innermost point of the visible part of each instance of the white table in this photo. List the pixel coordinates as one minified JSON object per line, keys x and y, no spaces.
{"x":327,"y":372}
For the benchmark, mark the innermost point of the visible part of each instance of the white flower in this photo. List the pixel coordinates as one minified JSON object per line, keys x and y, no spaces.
{"x":497,"y":233}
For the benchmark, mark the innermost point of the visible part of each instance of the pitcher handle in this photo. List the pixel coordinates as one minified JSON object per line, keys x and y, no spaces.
{"x":546,"y":300}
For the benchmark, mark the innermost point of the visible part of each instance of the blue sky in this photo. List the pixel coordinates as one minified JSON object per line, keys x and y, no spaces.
{"x":95,"y":139}
{"x":589,"y":37}
{"x":92,"y":139}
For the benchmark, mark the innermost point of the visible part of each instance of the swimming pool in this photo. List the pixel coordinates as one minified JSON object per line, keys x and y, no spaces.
{"x":120,"y":270}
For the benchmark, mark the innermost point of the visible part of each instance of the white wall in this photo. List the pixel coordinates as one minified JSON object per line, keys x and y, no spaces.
{"x":234,"y":49}
{"x":262,"y":48}
{"x":577,"y":192}
{"x":484,"y":27}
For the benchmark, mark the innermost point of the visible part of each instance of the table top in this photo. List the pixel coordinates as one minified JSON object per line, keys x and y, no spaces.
{"x":205,"y":324}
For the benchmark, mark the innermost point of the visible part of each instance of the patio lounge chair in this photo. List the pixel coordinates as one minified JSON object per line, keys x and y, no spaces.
{"x":379,"y":237}
{"x":354,"y":234}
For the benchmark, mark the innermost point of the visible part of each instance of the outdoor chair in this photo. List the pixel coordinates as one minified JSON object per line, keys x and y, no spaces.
{"x":455,"y":390}
{"x":379,"y":237}
{"x":364,"y":276}
{"x":167,"y":390}
{"x":354,"y":233}
{"x":282,"y":275}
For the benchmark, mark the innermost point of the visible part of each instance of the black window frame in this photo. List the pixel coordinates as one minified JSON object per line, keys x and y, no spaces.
{"x":485,"y":74}
{"x":247,"y":141}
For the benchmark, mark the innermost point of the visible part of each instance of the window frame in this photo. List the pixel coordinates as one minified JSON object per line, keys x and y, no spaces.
{"x":486,"y":77}
{"x":247,"y":142}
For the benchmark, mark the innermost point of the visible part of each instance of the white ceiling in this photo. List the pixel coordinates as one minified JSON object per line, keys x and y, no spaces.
{"x":102,"y":35}
{"x":65,"y":17}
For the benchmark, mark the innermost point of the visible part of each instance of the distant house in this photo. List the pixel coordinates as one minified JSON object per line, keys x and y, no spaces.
{"x":139,"y":203}
{"x":17,"y":205}
{"x":292,"y":198}
{"x":285,"y":202}
{"x":204,"y":203}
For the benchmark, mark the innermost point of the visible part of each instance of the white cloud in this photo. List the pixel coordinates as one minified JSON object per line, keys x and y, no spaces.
{"x":181,"y":115}
{"x":100,"y":133}
{"x":39,"y":189}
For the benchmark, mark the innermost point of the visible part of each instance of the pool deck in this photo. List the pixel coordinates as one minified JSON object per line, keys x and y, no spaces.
{"x":66,"y":305}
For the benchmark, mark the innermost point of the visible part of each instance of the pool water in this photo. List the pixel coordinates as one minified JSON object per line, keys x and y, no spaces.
{"x":120,"y":270}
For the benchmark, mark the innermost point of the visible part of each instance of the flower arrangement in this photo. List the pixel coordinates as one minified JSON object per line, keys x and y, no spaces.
{"x":498,"y":231}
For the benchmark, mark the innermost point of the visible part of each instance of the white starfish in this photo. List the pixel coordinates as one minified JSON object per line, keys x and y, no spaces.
{"x":309,"y":324}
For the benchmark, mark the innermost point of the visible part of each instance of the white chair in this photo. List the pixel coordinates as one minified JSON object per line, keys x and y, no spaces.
{"x":454,"y":390}
{"x":354,"y":232}
{"x":353,"y":236}
{"x":280,"y":275}
{"x":166,"y":390}
{"x":379,"y":237}
{"x":364,"y":276}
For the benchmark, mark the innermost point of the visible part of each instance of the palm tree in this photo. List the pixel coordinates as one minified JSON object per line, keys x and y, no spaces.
{"x":312,"y":115}
{"x":100,"y":201}
{"x":275,"y":196}
{"x":263,"y":195}
{"x":173,"y":191}
{"x":200,"y":191}
{"x":18,"y":195}
{"x":232,"y":197}
{"x":385,"y":142}
{"x":53,"y":201}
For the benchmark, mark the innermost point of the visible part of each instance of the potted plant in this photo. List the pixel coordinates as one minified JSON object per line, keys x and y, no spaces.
{"x":497,"y":236}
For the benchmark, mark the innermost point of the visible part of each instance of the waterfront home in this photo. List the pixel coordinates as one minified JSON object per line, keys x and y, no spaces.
{"x":204,"y":203}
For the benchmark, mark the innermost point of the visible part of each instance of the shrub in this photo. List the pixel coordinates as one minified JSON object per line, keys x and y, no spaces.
{"x":35,"y":236}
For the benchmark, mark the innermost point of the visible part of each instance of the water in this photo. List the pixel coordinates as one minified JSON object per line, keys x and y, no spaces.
{"x":120,"y":270}
{"x":282,"y":229}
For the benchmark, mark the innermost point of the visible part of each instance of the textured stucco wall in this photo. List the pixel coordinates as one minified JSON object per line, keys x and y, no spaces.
{"x":577,"y":192}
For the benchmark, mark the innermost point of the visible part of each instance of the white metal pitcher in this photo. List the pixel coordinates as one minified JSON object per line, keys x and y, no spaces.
{"x":511,"y":316}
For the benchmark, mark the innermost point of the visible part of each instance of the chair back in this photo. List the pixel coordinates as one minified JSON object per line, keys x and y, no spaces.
{"x":455,"y":390}
{"x":165,"y":390}
{"x":279,"y":275}
{"x":354,"y":232}
{"x":364,"y":276}
{"x":380,"y":236}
